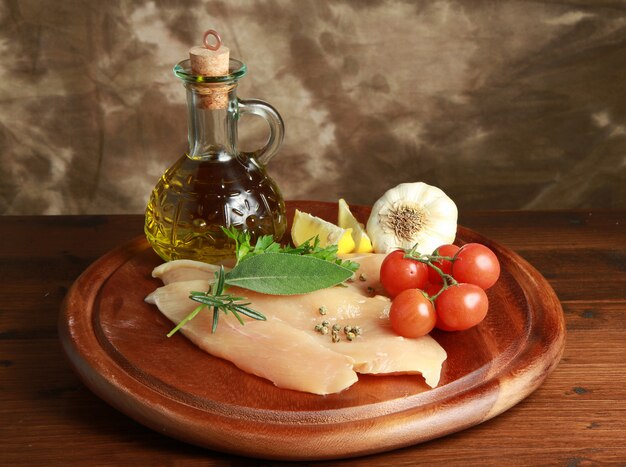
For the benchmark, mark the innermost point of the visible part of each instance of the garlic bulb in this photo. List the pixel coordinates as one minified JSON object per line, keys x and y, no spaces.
{"x":412,"y":214}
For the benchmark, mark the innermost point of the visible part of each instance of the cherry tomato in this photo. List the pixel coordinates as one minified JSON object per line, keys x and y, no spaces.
{"x":432,"y":289}
{"x":444,"y":264}
{"x":461,"y":306}
{"x":439,"y":325}
{"x":476,"y":264}
{"x":398,"y":273}
{"x":412,"y":314}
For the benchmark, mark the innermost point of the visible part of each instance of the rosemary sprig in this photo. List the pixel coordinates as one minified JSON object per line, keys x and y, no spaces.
{"x":216,"y":299}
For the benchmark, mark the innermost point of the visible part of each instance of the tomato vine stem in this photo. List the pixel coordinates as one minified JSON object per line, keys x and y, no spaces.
{"x":447,"y":279}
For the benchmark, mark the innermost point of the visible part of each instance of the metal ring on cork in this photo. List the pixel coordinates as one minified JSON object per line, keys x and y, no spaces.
{"x":218,"y":39}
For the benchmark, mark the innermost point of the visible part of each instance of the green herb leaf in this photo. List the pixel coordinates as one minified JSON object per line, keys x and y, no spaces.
{"x":264,"y":242}
{"x":286,"y":274}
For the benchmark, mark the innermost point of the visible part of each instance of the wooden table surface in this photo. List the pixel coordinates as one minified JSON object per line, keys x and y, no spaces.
{"x":577,"y":417}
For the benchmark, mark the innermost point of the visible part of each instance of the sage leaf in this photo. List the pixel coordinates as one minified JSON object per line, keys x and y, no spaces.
{"x":286,"y":274}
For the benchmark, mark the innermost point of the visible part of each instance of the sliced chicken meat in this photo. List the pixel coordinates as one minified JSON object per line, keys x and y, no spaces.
{"x":288,"y":339}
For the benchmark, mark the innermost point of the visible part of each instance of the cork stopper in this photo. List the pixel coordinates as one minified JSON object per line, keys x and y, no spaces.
{"x":211,"y":60}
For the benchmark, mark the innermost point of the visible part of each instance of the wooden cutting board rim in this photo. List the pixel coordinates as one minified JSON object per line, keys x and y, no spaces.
{"x":113,"y":381}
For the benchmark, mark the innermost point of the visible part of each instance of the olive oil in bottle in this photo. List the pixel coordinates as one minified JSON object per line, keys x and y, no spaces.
{"x":195,"y":198}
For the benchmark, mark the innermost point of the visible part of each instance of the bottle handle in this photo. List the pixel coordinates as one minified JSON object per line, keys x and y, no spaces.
{"x":273,"y":119}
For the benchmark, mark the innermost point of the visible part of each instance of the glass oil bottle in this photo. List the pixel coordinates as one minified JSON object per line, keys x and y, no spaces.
{"x":215,"y":185}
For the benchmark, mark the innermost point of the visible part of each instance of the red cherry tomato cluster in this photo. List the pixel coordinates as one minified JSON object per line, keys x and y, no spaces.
{"x":444,"y":290}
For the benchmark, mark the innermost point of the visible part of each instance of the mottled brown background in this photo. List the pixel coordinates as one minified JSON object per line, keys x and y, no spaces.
{"x":503,"y":104}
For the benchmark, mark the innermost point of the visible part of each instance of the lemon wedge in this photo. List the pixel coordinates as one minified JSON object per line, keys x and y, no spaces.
{"x":306,"y":226}
{"x":362,"y":243}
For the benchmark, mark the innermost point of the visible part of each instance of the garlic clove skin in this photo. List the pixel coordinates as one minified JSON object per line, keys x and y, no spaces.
{"x":410,"y":214}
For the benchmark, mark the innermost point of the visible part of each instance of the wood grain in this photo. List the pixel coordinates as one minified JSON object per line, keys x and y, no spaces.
{"x":116,"y":343}
{"x":576,"y":417}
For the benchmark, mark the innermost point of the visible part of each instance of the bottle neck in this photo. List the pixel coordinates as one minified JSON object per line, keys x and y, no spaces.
{"x":212,"y":125}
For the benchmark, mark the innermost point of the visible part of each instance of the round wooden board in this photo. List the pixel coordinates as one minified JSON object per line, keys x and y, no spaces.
{"x":117,"y":345}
